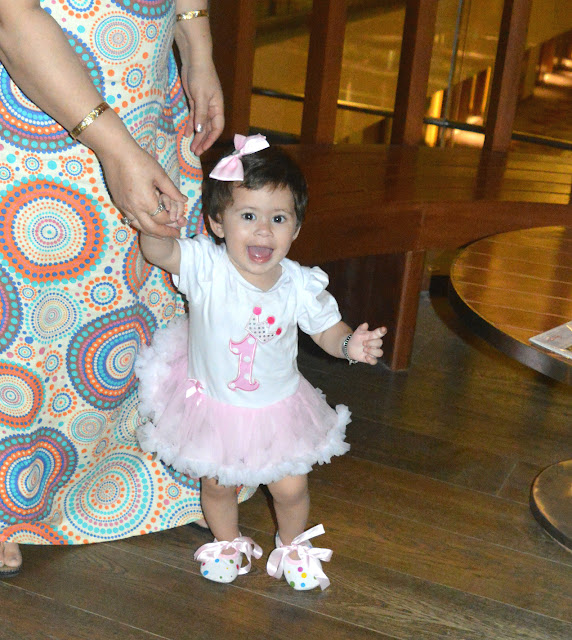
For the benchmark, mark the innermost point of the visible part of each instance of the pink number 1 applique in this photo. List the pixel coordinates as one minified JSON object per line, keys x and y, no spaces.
{"x":256,"y":332}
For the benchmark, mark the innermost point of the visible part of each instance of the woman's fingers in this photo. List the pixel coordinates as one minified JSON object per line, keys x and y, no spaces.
{"x":165,"y":185}
{"x":206,"y":106}
{"x":212,"y":132}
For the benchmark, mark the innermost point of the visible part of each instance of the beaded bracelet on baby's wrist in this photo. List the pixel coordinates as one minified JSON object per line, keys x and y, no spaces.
{"x":345,"y":349}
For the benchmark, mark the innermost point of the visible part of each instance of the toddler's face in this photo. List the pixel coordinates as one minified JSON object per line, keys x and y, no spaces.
{"x":258,"y":229}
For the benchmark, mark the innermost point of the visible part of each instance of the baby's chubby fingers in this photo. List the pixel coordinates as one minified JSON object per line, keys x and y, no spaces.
{"x":372,"y":345}
{"x":374,"y":339}
{"x":175,"y":209}
{"x":379,"y":332}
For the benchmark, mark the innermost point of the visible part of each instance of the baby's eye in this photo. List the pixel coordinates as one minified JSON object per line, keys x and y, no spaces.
{"x":279,"y":219}
{"x":248,"y":216}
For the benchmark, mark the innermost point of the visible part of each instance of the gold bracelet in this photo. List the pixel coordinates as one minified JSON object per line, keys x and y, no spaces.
{"x":190,"y":15}
{"x":89,"y":119}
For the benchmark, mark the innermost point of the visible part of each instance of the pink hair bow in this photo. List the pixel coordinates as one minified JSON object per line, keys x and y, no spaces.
{"x":308,"y":555}
{"x":230,"y":167}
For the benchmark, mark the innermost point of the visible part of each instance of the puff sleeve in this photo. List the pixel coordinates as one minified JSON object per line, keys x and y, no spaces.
{"x":317,"y":308}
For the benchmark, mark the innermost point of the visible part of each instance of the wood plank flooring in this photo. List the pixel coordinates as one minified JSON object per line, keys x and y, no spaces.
{"x":427,"y":516}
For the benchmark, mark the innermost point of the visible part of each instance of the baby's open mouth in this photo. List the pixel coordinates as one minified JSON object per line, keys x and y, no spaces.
{"x":260,"y":254}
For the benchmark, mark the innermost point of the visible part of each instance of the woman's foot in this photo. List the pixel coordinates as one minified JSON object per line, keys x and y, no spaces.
{"x":10,"y":559}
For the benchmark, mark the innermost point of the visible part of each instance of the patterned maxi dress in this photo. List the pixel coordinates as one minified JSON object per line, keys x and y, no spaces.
{"x":76,"y":298}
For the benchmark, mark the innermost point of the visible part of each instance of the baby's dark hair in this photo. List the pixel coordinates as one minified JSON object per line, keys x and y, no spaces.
{"x":271,"y":167}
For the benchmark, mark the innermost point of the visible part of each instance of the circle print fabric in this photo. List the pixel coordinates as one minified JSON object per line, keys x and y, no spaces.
{"x":50,"y":232}
{"x":102,"y":354}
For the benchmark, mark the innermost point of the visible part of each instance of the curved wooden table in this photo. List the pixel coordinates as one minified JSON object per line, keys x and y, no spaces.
{"x":508,"y":288}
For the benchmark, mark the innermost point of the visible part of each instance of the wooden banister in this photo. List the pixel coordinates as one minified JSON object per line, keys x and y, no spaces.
{"x":506,"y":76}
{"x":324,"y":70}
{"x":413,"y":79}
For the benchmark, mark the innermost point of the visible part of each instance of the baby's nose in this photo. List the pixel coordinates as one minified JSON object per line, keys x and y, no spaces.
{"x":264,"y":227}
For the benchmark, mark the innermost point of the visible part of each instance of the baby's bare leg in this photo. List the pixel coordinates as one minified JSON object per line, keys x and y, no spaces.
{"x":220,"y":508}
{"x":292,"y":506}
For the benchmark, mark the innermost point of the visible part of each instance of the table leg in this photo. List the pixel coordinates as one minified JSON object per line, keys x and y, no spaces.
{"x":551,"y":501}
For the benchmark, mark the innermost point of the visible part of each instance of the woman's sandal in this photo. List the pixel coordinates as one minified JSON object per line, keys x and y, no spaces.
{"x":7,"y":571}
{"x":303,"y":574}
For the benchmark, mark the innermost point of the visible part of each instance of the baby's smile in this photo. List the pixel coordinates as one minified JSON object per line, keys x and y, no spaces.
{"x":260,"y":254}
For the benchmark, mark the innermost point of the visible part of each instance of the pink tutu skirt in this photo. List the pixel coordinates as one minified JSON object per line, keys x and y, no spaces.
{"x":200,"y":436}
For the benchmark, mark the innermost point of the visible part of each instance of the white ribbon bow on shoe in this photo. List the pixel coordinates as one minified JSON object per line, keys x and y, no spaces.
{"x":309,"y":556}
{"x":214,"y":550}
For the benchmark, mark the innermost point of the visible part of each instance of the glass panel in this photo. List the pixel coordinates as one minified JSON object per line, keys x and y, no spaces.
{"x":370,"y":67}
{"x":545,"y":104}
{"x":546,"y":85}
{"x":280,"y":59}
{"x":467,"y":28}
{"x":463,"y":56}
{"x":369,"y":71}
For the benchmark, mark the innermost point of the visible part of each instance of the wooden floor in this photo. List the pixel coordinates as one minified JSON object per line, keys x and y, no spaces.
{"x":427,"y":516}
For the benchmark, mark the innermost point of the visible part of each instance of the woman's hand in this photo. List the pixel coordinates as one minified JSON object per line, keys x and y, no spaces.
{"x":206,"y":105}
{"x":135,"y":181}
{"x":199,"y":78}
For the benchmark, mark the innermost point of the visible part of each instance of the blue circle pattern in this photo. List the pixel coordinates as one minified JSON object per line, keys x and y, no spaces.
{"x":74,"y":167}
{"x":89,"y":59}
{"x":142,"y":123}
{"x":146,"y":8}
{"x":62,"y":402}
{"x":103,"y":293}
{"x":134,"y":78}
{"x":54,"y":316}
{"x":81,"y":6}
{"x":181,"y":478}
{"x":101,"y":355}
{"x":117,"y":38}
{"x":87,"y":427}
{"x":43,"y":133}
{"x":10,"y":311}
{"x":151,"y":31}
{"x":32,"y":164}
{"x":52,"y":363}
{"x":34,"y":468}
{"x":179,"y":514}
{"x":113,"y":500}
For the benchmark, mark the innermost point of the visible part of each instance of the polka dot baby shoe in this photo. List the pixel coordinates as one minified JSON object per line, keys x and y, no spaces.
{"x":303,"y":574}
{"x":224,"y":567}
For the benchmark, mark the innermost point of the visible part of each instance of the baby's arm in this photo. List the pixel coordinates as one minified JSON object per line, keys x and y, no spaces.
{"x":363,"y":346}
{"x":163,"y":252}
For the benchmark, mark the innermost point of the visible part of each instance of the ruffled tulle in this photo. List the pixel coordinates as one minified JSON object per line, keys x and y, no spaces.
{"x":200,"y":437}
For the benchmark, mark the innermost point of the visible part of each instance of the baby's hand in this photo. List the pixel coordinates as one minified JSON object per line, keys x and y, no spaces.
{"x":176,"y":211}
{"x":364,"y":345}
